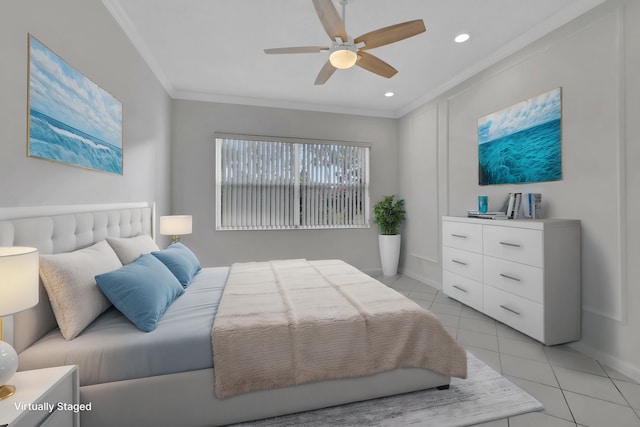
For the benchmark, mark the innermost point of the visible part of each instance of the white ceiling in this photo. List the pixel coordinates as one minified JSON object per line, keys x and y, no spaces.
{"x":212,"y":50}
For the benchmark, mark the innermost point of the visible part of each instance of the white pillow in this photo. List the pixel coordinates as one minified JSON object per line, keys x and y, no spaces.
{"x":129,"y":249}
{"x":69,"y":280}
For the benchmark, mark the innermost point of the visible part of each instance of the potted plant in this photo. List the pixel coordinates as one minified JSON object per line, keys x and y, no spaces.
{"x":389,"y":214}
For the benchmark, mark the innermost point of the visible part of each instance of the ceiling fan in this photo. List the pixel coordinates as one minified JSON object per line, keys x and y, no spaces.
{"x":345,"y":51}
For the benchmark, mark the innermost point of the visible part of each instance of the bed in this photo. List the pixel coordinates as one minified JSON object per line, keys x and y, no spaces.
{"x":164,"y":377}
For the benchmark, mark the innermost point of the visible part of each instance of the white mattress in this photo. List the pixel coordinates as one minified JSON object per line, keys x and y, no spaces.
{"x":113,"y":349}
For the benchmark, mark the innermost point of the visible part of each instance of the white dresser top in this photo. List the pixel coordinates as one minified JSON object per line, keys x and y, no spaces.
{"x":534,"y":224}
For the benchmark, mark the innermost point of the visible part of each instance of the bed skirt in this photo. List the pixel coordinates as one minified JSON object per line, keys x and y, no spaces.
{"x":187,"y":399}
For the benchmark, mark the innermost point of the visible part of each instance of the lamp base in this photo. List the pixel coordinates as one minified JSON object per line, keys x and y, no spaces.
{"x":8,"y":367}
{"x":7,"y":391}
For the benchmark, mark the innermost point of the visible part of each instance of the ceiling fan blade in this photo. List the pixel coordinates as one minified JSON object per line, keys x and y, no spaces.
{"x":297,"y":49}
{"x":391,"y":34}
{"x":330,"y":19}
{"x":375,"y":65}
{"x":324,"y":74}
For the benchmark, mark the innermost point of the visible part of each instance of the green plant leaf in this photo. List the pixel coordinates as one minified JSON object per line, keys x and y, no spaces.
{"x":389,"y":214}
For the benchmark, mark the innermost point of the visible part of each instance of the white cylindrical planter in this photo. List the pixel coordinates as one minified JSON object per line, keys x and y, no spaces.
{"x":389,"y":253}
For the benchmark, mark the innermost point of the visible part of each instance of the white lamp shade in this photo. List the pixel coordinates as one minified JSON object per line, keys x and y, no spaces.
{"x":18,"y":279}
{"x":343,"y":58}
{"x":175,"y":225}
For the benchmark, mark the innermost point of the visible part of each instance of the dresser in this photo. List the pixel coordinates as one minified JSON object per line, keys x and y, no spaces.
{"x":523,"y":273}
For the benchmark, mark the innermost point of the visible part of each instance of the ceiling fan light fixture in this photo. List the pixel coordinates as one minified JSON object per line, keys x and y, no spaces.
{"x":343,"y":58}
{"x":345,"y":51}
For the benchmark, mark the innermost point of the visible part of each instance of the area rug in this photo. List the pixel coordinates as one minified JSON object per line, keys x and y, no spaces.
{"x":484,"y":396}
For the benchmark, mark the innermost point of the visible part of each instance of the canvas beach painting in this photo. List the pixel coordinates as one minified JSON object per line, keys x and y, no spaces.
{"x":71,"y":119}
{"x":522,"y":143}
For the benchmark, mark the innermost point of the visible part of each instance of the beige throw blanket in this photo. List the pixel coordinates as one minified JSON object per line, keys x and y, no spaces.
{"x":290,"y":322}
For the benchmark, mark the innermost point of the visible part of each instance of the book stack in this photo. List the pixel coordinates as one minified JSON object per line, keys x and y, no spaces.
{"x":487,"y":215}
{"x":532,"y":205}
{"x":528,"y":205}
{"x":513,"y":207}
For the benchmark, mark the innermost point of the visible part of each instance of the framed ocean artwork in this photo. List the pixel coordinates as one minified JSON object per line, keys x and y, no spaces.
{"x":71,"y":119}
{"x":522,"y":143}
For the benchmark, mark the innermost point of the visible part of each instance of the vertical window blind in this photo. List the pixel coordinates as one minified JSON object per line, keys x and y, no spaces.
{"x":271,"y":184}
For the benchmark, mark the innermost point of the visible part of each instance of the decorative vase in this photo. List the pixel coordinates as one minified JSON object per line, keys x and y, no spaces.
{"x":8,"y":367}
{"x":389,"y":253}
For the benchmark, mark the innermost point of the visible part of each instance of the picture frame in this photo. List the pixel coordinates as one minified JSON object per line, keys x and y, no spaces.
{"x":522,"y":143}
{"x":70,"y":118}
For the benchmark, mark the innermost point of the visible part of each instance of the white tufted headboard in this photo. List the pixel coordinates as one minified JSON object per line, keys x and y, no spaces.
{"x":65,"y":229}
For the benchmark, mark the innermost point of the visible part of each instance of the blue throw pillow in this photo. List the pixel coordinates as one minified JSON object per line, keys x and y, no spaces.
{"x":181,"y":261}
{"x":141,"y":290}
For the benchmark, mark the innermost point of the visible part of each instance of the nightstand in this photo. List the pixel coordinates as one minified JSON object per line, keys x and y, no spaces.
{"x":44,"y":397}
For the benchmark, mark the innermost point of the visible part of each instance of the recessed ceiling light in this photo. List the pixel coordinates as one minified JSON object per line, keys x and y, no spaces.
{"x":389,"y":94}
{"x":461,"y":38}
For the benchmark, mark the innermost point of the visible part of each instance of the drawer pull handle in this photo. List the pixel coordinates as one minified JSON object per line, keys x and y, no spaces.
{"x":459,"y":262}
{"x":506,"y":276}
{"x":510,"y":310}
{"x":460,"y":289}
{"x":461,"y":236}
{"x":514,"y":245}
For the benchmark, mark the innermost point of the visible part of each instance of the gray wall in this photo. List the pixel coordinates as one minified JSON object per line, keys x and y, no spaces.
{"x":595,"y":60}
{"x":192,"y":190}
{"x":85,"y":35}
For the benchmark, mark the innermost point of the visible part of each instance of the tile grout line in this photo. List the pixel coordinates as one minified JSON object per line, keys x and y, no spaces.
{"x":564,"y":396}
{"x":573,"y":417}
{"x":618,"y":388}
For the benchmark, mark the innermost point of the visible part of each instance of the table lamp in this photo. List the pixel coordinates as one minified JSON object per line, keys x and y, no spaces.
{"x":18,"y":291}
{"x":175,"y":226}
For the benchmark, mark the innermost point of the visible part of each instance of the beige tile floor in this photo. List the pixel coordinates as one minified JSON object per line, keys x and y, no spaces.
{"x":575,"y":389}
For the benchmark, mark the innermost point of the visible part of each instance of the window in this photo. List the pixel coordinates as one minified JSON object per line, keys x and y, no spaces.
{"x":280,"y":183}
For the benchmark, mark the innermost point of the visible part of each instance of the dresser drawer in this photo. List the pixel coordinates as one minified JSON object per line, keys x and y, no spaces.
{"x":463,"y":289}
{"x":520,"y":313}
{"x":515,"y":244}
{"x":464,"y":263}
{"x":462,"y":235}
{"x":513,"y":277}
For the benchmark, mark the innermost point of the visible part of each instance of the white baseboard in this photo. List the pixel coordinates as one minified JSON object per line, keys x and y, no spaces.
{"x":423,"y":279}
{"x":625,"y":368}
{"x":373,"y":272}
